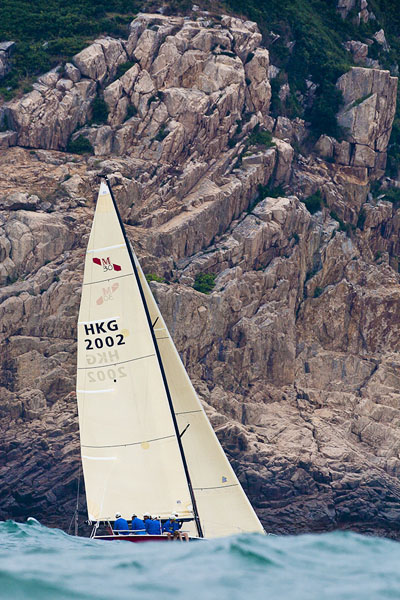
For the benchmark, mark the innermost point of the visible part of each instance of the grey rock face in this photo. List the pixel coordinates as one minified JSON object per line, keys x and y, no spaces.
{"x":358,"y":50}
{"x":367,"y":115}
{"x":8,"y":138}
{"x":6,"y":50}
{"x":46,"y":118}
{"x":185,"y":73}
{"x":295,"y":353}
{"x":345,"y":6}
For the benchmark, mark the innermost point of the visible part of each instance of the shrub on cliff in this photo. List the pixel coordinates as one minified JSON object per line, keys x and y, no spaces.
{"x":393,"y":155}
{"x":124,"y":67}
{"x":314,"y":202}
{"x":99,"y":111}
{"x":322,"y":115}
{"x":161,"y":134}
{"x":80,"y":146}
{"x":154,"y":277}
{"x":260,"y":138}
{"x":392,"y":195}
{"x":204,"y":282}
{"x":131,"y":111}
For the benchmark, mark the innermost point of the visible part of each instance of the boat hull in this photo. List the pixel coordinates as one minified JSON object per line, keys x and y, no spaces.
{"x":138,"y":538}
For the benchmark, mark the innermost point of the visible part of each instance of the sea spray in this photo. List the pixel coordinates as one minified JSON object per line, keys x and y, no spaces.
{"x":47,"y":564}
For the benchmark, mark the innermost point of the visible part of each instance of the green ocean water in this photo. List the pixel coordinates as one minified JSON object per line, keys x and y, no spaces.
{"x":47,"y":564}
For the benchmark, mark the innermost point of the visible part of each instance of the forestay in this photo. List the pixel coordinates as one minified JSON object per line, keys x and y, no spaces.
{"x":130,"y":455}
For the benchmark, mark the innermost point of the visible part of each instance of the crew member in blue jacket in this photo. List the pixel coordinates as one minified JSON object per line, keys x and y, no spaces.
{"x":137,"y":525}
{"x":153,"y":526}
{"x":120,"y":524}
{"x":172,"y":527}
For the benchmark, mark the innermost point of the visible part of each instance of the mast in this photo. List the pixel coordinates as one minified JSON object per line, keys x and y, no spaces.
{"x":164,"y":378}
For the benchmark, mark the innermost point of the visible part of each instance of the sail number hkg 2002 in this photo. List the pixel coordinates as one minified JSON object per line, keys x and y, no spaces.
{"x":115,"y":339}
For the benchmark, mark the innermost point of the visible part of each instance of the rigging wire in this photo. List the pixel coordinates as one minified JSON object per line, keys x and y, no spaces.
{"x":75,"y":515}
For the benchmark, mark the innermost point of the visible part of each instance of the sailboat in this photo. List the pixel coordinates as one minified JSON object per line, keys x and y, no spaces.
{"x":146,"y":442}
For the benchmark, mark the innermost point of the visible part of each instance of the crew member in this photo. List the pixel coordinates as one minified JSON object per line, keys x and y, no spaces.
{"x":172,"y":527}
{"x":153,"y":526}
{"x":137,"y":525}
{"x":120,"y":524}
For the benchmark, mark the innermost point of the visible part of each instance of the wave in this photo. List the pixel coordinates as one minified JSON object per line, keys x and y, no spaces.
{"x":47,"y":564}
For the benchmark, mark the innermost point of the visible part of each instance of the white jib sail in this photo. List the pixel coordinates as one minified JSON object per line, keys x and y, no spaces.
{"x":130,"y":454}
{"x":223,"y":507}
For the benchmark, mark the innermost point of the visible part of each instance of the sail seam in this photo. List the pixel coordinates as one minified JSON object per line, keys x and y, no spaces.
{"x":98,"y":320}
{"x":115,"y":363}
{"x":166,"y":437}
{"x":105,"y":391}
{"x":189,"y":412}
{"x":106,"y":248}
{"x":109,"y":279}
{"x":216,"y":487}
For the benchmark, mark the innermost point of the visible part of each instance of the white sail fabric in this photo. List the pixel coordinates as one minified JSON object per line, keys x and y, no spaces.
{"x":130,"y":454}
{"x":223,"y":507}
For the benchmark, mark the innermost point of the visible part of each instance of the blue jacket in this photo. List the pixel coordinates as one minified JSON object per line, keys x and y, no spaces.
{"x":121,"y":525}
{"x":171,"y":526}
{"x":152,"y":526}
{"x":138,"y":525}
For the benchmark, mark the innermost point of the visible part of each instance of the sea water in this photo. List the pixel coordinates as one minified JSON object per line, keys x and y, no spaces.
{"x":47,"y":564}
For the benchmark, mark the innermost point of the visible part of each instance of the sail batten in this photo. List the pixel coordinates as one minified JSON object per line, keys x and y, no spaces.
{"x":122,"y":362}
{"x":165,"y":437}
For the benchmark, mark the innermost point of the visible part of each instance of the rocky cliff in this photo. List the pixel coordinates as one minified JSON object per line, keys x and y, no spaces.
{"x":295,"y":353}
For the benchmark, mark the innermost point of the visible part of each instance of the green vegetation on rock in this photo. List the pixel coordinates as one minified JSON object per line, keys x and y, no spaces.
{"x":317,"y":54}
{"x":314,"y":202}
{"x":131,"y":112}
{"x":309,"y":48}
{"x":204,"y":282}
{"x":260,"y":138}
{"x":122,"y":69}
{"x":392,"y":195}
{"x":48,"y":32}
{"x":161,"y":134}
{"x":80,"y":146}
{"x":266,"y":191}
{"x":99,"y":111}
{"x":317,"y":292}
{"x":154,"y":277}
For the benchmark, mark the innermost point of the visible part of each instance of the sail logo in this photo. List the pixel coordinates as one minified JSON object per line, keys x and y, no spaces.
{"x":106,"y":264}
{"x":107,"y":294}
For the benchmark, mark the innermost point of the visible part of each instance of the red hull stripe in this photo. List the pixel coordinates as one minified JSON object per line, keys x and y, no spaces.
{"x":137,"y":538}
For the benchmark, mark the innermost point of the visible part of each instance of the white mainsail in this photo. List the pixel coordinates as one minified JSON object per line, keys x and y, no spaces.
{"x":130,"y":451}
{"x":130,"y":454}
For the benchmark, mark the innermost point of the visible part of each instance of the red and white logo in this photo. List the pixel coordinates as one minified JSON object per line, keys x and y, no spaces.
{"x":107,"y":294}
{"x":106,"y":264}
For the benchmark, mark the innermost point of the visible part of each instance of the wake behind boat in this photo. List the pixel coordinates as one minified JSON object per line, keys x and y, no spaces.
{"x":146,"y":442}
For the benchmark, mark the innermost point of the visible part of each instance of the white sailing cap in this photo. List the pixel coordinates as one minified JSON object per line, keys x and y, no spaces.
{"x":146,"y":514}
{"x":117,"y":515}
{"x":173,"y":516}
